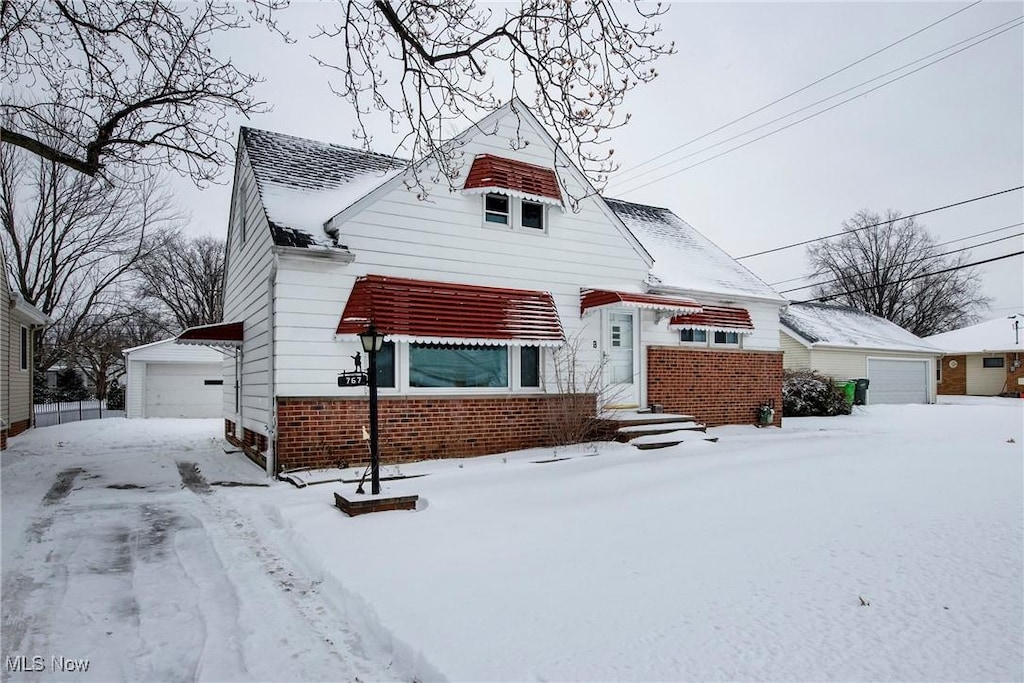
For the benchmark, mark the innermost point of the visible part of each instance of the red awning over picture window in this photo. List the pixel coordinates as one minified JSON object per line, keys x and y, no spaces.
{"x":443,"y":312}
{"x":596,"y":298}
{"x":716,"y":319}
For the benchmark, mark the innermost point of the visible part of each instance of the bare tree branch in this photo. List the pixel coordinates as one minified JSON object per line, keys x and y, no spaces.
{"x":884,"y":270}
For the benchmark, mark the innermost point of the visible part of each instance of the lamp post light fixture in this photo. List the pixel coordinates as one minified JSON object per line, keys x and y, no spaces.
{"x":372,"y":341}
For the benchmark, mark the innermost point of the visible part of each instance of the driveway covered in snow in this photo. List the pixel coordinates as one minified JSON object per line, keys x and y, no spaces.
{"x":122,"y":556}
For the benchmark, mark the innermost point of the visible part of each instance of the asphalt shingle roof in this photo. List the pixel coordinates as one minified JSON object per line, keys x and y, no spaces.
{"x":303,"y":183}
{"x":846,"y":327}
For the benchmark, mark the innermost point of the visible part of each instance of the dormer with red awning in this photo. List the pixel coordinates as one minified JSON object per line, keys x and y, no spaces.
{"x":491,"y":173}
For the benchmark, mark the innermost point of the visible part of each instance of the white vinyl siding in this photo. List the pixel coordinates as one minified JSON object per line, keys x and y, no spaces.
{"x":17,"y":387}
{"x":982,"y":381}
{"x":441,"y":239}
{"x":245,"y":299}
{"x":6,"y":360}
{"x":795,"y":356}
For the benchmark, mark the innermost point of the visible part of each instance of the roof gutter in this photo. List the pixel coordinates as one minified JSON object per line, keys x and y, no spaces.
{"x":720,"y":296}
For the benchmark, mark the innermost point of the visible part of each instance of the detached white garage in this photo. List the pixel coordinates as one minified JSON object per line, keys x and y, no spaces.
{"x":845,"y":343}
{"x":165,"y":379}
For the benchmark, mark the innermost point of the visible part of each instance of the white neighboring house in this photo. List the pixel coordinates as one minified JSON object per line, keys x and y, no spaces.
{"x":845,"y":343}
{"x":165,"y":379}
{"x":478,"y":290}
{"x":986,"y":359}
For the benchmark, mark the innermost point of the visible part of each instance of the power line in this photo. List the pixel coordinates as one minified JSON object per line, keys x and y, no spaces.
{"x":940,"y":244}
{"x":910,"y":279}
{"x":811,"y":116}
{"x":875,"y":225}
{"x":917,"y":260}
{"x":627,"y":181}
{"x":809,"y":85}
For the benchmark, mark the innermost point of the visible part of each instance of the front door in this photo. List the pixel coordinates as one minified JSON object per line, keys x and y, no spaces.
{"x":622,"y":387}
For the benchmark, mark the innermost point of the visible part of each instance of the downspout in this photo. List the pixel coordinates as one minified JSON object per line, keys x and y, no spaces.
{"x":271,"y":457}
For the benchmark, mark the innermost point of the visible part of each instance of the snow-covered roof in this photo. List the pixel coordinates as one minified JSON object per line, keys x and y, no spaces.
{"x":684,"y":258}
{"x":1001,"y":334}
{"x":844,"y":327}
{"x":303,"y":183}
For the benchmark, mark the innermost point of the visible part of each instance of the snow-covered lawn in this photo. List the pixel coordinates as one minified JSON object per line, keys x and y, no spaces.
{"x":748,"y":559}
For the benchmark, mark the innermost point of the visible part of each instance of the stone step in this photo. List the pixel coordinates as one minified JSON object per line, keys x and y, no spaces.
{"x":624,"y":434}
{"x":633,"y":419}
{"x":651,"y":441}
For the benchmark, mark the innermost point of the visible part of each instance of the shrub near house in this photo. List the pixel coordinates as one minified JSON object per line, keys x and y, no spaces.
{"x":807,"y":393}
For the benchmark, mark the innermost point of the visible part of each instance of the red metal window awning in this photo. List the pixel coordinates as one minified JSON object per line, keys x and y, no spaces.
{"x":448,"y":313}
{"x":596,"y":298}
{"x":490,"y":173}
{"x":221,"y":334}
{"x":716,"y":319}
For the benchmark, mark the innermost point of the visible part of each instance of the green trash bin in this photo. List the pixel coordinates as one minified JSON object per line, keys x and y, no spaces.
{"x":849,"y":389}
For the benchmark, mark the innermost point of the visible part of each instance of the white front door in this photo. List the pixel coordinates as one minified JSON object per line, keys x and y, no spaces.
{"x":622,"y":385}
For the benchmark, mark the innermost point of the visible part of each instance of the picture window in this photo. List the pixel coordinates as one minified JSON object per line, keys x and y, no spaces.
{"x":451,"y":365}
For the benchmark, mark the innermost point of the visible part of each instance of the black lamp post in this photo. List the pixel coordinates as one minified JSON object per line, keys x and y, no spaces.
{"x":372,"y":342}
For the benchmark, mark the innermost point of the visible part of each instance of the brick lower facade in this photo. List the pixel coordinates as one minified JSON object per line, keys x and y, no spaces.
{"x":1014,"y":375}
{"x":15,"y":429}
{"x":954,"y":380}
{"x":327,"y":432}
{"x":717,"y":387}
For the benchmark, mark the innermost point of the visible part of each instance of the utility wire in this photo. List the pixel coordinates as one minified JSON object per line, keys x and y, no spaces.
{"x":910,"y":279}
{"x":875,"y":225}
{"x":633,"y":179}
{"x":917,"y":260}
{"x":809,"y":85}
{"x":811,"y":116}
{"x":940,"y":244}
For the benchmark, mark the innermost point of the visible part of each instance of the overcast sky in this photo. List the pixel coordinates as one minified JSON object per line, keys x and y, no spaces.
{"x":950,"y":132}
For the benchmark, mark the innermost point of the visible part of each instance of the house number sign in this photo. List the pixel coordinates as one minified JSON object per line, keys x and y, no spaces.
{"x":353,"y":379}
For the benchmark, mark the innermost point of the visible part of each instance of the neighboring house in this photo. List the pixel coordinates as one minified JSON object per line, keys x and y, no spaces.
{"x":484,"y":292}
{"x":845,"y":343}
{"x":18,"y":319}
{"x":986,"y":359}
{"x":165,"y":379}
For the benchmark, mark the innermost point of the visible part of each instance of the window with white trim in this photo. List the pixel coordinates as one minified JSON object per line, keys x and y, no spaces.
{"x":529,"y":367}
{"x":727,"y":338}
{"x":457,"y":365}
{"x":693,"y":336}
{"x":992,"y":362}
{"x":496,"y":208}
{"x":502,"y":210}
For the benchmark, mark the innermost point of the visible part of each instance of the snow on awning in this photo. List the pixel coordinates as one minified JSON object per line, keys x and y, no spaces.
{"x":596,"y":298}
{"x":715,"y":319}
{"x":221,"y":334}
{"x":429,"y":312}
{"x":490,"y":173}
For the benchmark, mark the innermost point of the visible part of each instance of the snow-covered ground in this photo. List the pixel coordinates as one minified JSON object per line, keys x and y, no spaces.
{"x":749,"y":559}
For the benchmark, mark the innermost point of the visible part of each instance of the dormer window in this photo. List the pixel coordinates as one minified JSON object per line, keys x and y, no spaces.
{"x":496,"y":209}
{"x":532,"y":215}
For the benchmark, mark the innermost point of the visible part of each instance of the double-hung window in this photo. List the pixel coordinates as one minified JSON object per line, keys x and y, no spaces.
{"x":693,"y":336}
{"x":518,"y":214}
{"x":496,"y":209}
{"x":727,"y":338}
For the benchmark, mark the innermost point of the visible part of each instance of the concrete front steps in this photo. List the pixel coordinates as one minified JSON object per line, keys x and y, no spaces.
{"x":648,"y":431}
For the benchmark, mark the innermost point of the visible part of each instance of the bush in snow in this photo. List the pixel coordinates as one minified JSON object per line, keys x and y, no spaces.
{"x":806,"y":393}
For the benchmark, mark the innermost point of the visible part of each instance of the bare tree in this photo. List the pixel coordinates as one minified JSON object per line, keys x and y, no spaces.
{"x":93,"y":84}
{"x":98,"y":350}
{"x":428,"y":67}
{"x":185,"y":276}
{"x":70,"y":242}
{"x":889,"y":267}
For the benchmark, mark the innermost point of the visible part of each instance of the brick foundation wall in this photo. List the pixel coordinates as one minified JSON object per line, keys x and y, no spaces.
{"x":716,"y":387}
{"x":1013,"y":375}
{"x":15,"y":429}
{"x":322,"y":432}
{"x":954,"y":380}
{"x":3,"y":439}
{"x":253,"y":444}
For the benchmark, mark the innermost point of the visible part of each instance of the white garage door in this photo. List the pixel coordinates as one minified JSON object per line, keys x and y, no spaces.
{"x":897,"y":381}
{"x":183,"y":390}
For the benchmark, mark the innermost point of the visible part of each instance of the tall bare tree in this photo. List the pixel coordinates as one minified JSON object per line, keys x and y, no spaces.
{"x":890,"y":267}
{"x":96,"y":83}
{"x":185,"y":276}
{"x":71,"y":242}
{"x":431,"y":67}
{"x":98,"y":349}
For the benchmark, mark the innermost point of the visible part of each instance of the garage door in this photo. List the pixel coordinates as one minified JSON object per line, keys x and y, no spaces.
{"x":182,"y":390}
{"x":897,"y":381}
